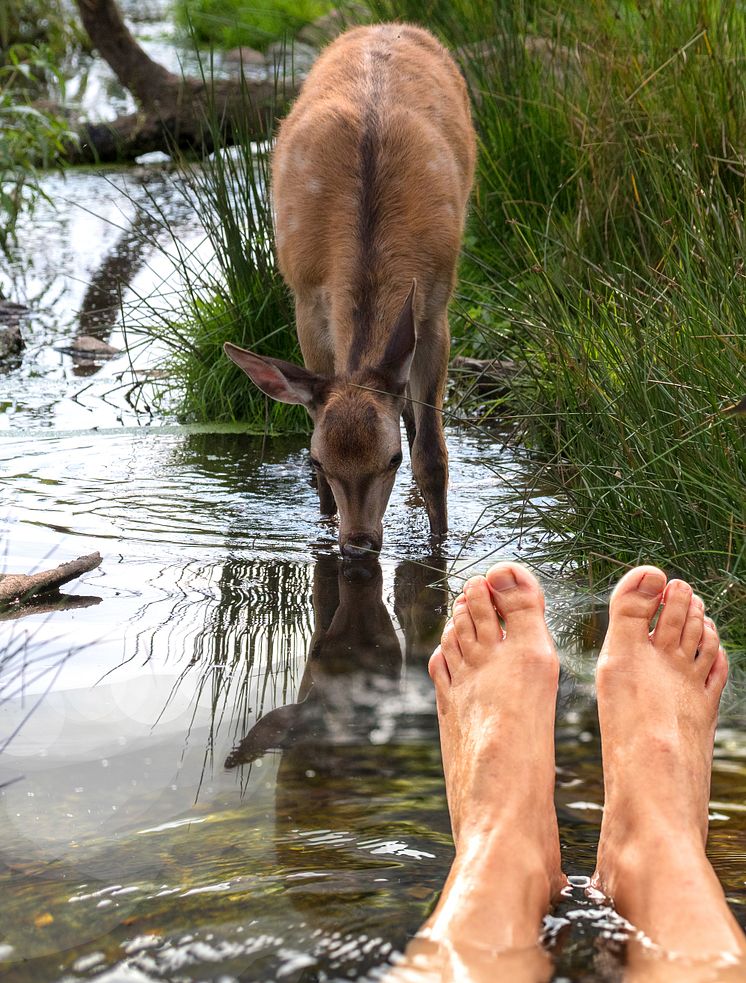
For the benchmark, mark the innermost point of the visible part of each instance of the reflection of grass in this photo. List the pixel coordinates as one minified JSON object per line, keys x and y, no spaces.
{"x":253,"y":642}
{"x":28,"y":665}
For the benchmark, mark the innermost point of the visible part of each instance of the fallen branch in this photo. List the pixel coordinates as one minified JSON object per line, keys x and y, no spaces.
{"x":18,"y":587}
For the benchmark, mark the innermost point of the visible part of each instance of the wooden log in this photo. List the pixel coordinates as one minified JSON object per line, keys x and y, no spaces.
{"x":17,"y":587}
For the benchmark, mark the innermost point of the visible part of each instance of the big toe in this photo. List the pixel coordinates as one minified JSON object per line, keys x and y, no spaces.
{"x":518,"y":599}
{"x":635,"y":600}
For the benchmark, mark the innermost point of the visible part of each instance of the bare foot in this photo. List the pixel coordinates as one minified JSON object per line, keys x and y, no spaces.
{"x":658,"y":696}
{"x":496,"y":691}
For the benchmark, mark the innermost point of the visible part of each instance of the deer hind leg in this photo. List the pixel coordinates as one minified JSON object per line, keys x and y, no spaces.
{"x":409,"y":424}
{"x":313,"y":334}
{"x":429,"y":453}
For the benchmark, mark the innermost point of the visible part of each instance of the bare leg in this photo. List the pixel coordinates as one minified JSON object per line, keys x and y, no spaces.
{"x":658,"y":697}
{"x":496,"y":695}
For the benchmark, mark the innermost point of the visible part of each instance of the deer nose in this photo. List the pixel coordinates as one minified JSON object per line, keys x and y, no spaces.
{"x":359,"y":545}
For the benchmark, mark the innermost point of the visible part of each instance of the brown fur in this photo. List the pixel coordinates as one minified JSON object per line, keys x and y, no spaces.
{"x":370,"y":179}
{"x":371,"y":176}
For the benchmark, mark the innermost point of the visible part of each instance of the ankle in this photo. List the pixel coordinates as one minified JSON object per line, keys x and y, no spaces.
{"x":517,"y":856}
{"x":652,"y":823}
{"x":472,"y":908}
{"x":631,"y":857}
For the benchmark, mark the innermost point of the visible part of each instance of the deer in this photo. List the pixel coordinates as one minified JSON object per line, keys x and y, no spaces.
{"x":371,"y":175}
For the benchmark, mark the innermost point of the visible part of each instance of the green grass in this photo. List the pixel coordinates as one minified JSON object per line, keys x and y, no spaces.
{"x":231,"y":23}
{"x":238,"y":295}
{"x":605,"y":254}
{"x":30,"y":138}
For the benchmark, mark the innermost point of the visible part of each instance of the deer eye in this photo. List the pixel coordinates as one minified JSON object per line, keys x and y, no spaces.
{"x":316,"y":465}
{"x":395,"y":461}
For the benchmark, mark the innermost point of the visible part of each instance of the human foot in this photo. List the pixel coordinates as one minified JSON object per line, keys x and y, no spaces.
{"x":496,"y":690}
{"x":658,"y":696}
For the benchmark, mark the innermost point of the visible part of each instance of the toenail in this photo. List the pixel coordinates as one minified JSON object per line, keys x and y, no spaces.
{"x":650,"y":585}
{"x":503,"y":580}
{"x":472,"y":585}
{"x":698,"y":603}
{"x":682,"y":586}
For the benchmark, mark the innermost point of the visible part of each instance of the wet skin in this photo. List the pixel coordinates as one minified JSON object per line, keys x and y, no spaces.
{"x":495,"y":674}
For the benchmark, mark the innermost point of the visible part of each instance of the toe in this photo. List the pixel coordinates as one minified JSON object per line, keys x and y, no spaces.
{"x":692,"y":630}
{"x":437,"y":667}
{"x":451,"y":649}
{"x":708,"y":647}
{"x":635,"y":600}
{"x":482,"y":610}
{"x":518,"y":598}
{"x":463,"y":622}
{"x":673,"y":617}
{"x":718,"y":676}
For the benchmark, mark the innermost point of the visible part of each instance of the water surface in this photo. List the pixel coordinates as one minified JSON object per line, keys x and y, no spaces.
{"x":221,"y":760}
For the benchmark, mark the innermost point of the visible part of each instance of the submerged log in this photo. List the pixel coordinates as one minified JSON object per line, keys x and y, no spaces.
{"x":487,"y":373}
{"x":17,"y":587}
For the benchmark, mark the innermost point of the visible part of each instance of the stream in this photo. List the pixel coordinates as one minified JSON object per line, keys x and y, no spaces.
{"x":219,"y":751}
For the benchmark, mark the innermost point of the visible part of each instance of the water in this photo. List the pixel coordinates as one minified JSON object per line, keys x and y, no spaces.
{"x":150,"y":827}
{"x":219,"y":750}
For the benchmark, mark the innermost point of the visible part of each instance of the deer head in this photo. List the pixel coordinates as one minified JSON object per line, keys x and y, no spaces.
{"x":356,"y":441}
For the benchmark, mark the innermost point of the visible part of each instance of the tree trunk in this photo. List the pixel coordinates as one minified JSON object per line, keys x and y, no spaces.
{"x":174,"y":112}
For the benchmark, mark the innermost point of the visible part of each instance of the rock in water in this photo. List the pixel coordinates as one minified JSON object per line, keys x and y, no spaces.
{"x":89,"y":347}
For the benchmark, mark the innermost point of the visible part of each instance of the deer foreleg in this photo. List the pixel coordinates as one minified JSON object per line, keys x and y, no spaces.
{"x":429,"y":452}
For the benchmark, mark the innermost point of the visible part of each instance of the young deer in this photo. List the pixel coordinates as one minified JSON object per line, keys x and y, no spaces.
{"x":371,"y":175}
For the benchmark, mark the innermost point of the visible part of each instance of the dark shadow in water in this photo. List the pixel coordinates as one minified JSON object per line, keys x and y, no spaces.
{"x":49,"y":602}
{"x":359,"y":778}
{"x":100,"y":308}
{"x":355,"y":661}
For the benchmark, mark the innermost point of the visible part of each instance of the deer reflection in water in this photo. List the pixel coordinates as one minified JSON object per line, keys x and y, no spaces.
{"x":355,"y":662}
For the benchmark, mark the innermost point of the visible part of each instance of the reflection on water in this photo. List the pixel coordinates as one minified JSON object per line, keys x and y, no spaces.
{"x":221,"y":760}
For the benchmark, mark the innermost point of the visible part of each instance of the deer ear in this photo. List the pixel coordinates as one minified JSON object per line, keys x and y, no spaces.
{"x":283,"y":381}
{"x":397,"y":359}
